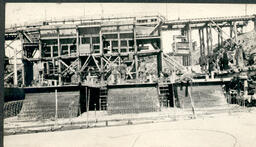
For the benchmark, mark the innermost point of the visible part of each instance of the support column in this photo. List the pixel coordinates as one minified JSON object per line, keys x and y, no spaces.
{"x":23,"y":65}
{"x":254,"y":23}
{"x":135,"y":49}
{"x":101,"y":43}
{"x":231,"y":29}
{"x":119,"y":41}
{"x":79,"y":68}
{"x":207,"y":39}
{"x":77,"y":42}
{"x":51,"y":51}
{"x":160,"y":54}
{"x":91,"y":44}
{"x":102,"y":69}
{"x":203,"y":42}
{"x":231,"y":33}
{"x":23,"y":74}
{"x":210,"y":39}
{"x":59,"y":55}
{"x":235,"y":31}
{"x":101,"y":59}
{"x":220,"y":37}
{"x":69,"y":50}
{"x":201,"y":39}
{"x":78,"y":39}
{"x":40,"y":57}
{"x":59,"y":72}
{"x":40,"y":46}
{"x":58,"y":41}
{"x":189,"y":38}
{"x":15,"y":79}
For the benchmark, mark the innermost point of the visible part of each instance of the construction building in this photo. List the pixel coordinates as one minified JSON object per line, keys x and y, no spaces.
{"x":123,"y":53}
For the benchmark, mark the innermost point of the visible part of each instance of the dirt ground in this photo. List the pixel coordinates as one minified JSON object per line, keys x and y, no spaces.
{"x":216,"y":130}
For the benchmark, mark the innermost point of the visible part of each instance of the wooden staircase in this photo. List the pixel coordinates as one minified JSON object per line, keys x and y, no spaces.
{"x":103,"y":98}
{"x":163,"y":91}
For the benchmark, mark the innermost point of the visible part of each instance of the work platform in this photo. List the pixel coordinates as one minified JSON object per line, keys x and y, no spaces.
{"x":70,"y":50}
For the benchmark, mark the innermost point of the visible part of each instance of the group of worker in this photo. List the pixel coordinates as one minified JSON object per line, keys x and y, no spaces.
{"x":223,"y":58}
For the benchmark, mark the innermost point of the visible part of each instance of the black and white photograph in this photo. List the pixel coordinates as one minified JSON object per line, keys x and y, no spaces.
{"x":129,"y":75}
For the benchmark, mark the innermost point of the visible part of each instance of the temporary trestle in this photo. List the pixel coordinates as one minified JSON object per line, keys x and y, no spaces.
{"x":99,"y":48}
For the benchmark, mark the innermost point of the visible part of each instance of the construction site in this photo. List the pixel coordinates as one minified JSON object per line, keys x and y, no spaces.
{"x":82,"y":73}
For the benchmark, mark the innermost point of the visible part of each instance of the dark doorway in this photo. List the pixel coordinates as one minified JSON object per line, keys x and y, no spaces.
{"x":94,"y":98}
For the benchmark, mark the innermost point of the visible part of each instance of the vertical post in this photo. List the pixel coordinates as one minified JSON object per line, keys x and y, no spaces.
{"x":48,"y":67}
{"x":201,"y":38}
{"x":203,"y":45}
{"x":200,"y":42}
{"x":23,"y":65}
{"x":23,"y":75}
{"x":59,"y":72}
{"x":220,"y":37}
{"x":56,"y":101}
{"x":231,"y":29}
{"x":2,"y":54}
{"x":135,"y":49}
{"x":210,"y":38}
{"x":51,"y":51}
{"x":58,"y":41}
{"x":77,"y":42}
{"x":235,"y":30}
{"x":79,"y":67}
{"x":100,"y":103}
{"x":160,"y":54}
{"x":53,"y":63}
{"x":69,"y":50}
{"x":207,"y":39}
{"x":91,"y":45}
{"x":40,"y":55}
{"x":15,"y":82}
{"x":245,"y":91}
{"x":87,"y":107}
{"x":254,"y":21}
{"x":59,"y":55}
{"x":102,"y":69}
{"x":40,"y":45}
{"x":189,"y":36}
{"x":110,"y":44}
{"x":95,"y":113}
{"x":101,"y":43}
{"x":78,"y":39}
{"x":119,"y":40}
{"x":231,"y":33}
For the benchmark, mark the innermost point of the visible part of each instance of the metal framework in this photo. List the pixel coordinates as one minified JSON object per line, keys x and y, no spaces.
{"x":73,"y":49}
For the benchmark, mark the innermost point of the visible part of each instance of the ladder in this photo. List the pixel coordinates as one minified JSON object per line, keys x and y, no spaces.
{"x":103,"y":98}
{"x":163,"y":92}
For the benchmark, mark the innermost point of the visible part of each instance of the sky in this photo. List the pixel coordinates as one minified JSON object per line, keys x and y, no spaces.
{"x":26,"y":13}
{"x":22,"y":13}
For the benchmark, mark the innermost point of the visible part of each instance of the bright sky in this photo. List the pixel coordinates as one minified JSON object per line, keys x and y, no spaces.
{"x":25,"y":13}
{"x":20,"y":13}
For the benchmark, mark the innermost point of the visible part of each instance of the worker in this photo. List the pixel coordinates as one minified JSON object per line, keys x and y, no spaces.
{"x":239,"y":56}
{"x":203,"y":63}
